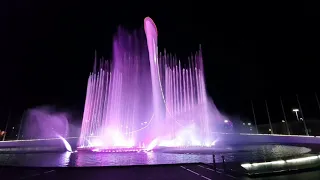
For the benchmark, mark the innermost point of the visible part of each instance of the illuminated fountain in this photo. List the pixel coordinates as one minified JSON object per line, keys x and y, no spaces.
{"x":143,"y":99}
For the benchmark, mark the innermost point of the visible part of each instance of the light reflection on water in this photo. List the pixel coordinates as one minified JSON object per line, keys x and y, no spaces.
{"x":248,"y":153}
{"x":142,"y":158}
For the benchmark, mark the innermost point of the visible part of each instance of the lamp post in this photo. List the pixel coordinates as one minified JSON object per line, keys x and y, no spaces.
{"x":227,"y":124}
{"x":284,"y":116}
{"x":254,"y":118}
{"x":5,"y":130}
{"x":286,"y":124}
{"x":271,"y":130}
{"x":317,"y":100}
{"x":303,"y":119}
{"x":296,"y":111}
{"x":21,"y":122}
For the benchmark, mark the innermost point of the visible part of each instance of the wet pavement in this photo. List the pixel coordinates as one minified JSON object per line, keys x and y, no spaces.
{"x":157,"y":172}
{"x":198,"y":171}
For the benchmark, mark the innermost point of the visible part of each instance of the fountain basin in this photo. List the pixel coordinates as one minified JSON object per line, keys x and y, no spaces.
{"x":109,"y":150}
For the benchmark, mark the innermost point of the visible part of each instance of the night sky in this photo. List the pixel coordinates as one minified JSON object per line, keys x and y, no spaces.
{"x":251,"y":51}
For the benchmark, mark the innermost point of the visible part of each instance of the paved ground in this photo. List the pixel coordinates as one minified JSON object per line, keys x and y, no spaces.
{"x":163,"y":172}
{"x":159,"y":172}
{"x":312,"y":175}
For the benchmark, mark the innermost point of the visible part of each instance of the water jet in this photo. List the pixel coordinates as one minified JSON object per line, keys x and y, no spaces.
{"x":141,"y":95}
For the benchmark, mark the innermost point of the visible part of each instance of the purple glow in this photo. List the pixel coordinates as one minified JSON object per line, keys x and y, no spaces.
{"x":44,"y":123}
{"x":142,"y":97}
{"x":111,"y":150}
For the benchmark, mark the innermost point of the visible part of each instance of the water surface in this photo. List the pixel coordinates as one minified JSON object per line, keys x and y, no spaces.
{"x":243,"y":154}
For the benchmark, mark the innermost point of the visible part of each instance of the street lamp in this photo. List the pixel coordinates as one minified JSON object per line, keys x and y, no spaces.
{"x":226,"y":121}
{"x":296,"y":111}
{"x":304,"y":121}
{"x":286,"y":123}
{"x":284,"y":116}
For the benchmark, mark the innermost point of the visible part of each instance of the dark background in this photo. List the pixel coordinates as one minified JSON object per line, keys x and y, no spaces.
{"x":251,"y":51}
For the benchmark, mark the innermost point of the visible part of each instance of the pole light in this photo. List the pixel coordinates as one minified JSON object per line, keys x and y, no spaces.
{"x":296,"y":111}
{"x":270,"y":125}
{"x":302,"y":116}
{"x":284,"y":116}
{"x":254,"y":118}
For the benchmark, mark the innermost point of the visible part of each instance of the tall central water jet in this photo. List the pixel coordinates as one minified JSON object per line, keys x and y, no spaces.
{"x":157,"y":90}
{"x":141,"y":95}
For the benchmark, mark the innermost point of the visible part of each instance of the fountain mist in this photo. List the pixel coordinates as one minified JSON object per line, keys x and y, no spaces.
{"x":44,"y":123}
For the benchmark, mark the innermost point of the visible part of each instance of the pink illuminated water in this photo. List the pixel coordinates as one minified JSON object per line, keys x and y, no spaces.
{"x":145,"y":99}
